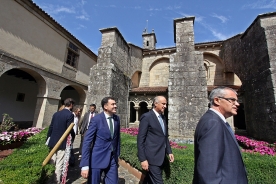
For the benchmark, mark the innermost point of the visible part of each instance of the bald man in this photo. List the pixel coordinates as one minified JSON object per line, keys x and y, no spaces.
{"x":152,"y":141}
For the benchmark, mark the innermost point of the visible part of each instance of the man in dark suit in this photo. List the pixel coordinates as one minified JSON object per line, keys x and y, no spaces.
{"x":152,"y":141}
{"x":86,"y":121}
{"x":218,"y":157}
{"x":104,"y":133}
{"x":61,"y":120}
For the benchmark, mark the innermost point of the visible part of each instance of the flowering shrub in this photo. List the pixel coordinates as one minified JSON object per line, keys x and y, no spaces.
{"x":253,"y":146}
{"x":130,"y":131}
{"x":134,"y":132}
{"x":18,"y":136}
{"x":175,"y":145}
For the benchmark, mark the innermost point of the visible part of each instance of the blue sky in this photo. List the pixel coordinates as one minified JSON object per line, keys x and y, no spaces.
{"x":214,"y":19}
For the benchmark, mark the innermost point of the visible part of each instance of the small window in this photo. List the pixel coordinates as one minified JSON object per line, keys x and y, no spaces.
{"x":147,"y":43}
{"x":20,"y":97}
{"x":72,"y":55}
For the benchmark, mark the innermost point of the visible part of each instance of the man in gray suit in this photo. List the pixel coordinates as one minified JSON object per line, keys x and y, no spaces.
{"x":153,"y":142}
{"x":86,"y":120}
{"x":218,"y":157}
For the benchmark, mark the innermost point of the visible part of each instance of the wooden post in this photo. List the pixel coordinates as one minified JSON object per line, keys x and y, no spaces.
{"x":64,"y":136}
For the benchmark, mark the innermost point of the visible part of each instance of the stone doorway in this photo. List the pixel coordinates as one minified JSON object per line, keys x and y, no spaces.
{"x":18,"y":96}
{"x":132,"y":113}
{"x":143,"y":109}
{"x":69,"y":92}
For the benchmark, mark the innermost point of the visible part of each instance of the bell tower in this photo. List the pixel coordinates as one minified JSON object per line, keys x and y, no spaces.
{"x":149,"y":40}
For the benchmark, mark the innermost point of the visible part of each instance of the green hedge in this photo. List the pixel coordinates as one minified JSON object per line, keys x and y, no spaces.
{"x":24,"y":165}
{"x":260,"y":169}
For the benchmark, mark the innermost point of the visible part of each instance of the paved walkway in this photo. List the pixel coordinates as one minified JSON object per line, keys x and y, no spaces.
{"x":74,"y":177}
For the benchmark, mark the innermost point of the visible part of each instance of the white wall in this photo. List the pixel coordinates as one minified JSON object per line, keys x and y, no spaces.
{"x":19,"y":111}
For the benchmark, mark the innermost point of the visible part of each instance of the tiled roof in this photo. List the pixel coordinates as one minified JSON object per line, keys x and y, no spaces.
{"x":210,"y":88}
{"x":162,"y":89}
{"x":158,"y":89}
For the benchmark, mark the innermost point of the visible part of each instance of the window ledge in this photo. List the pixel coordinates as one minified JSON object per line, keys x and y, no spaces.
{"x":70,"y":67}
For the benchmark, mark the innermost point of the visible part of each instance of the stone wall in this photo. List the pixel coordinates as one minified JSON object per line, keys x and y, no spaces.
{"x":187,"y":82}
{"x":148,"y":62}
{"x":111,"y":75}
{"x":251,"y":57}
{"x":136,"y":56}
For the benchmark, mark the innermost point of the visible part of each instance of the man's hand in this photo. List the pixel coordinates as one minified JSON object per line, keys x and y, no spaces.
{"x":145,"y":165}
{"x":171,"y":157}
{"x":84,"y":173}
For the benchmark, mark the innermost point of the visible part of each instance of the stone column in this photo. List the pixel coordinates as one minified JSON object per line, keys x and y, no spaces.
{"x":137,"y":118}
{"x":187,"y":90}
{"x":45,"y":108}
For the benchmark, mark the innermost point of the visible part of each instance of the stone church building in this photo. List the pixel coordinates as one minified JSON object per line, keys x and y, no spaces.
{"x":41,"y":64}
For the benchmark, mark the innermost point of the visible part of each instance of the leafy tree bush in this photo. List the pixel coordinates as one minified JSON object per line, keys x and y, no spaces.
{"x":7,"y":123}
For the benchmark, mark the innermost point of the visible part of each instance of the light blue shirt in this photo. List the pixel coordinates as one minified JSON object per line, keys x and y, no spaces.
{"x":157,"y":114}
{"x":219,"y":114}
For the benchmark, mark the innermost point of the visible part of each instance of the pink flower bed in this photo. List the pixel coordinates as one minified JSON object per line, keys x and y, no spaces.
{"x":130,"y":131}
{"x":134,"y":132}
{"x":253,"y":146}
{"x":18,"y":136}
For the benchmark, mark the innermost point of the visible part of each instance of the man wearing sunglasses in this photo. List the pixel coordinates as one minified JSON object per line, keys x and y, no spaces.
{"x":218,"y":157}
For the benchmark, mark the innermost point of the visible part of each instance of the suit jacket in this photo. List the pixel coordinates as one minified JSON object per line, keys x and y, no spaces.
{"x":99,"y":134}
{"x":61,"y":120}
{"x":84,"y":122}
{"x":217,"y":154}
{"x":152,"y":144}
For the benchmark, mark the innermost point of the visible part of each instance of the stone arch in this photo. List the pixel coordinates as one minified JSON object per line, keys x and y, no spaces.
{"x":22,"y":91}
{"x":214,"y":69}
{"x":159,"y":72}
{"x":135,"y":79}
{"x":206,"y":67}
{"x":132,"y":112}
{"x":73,"y":91}
{"x":42,"y":86}
{"x":215,"y":56}
{"x":143,"y":108}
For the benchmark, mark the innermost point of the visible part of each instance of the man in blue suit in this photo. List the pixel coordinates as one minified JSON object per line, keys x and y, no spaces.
{"x":61,"y":120}
{"x":152,"y":141}
{"x":217,"y":154}
{"x":104,"y":134}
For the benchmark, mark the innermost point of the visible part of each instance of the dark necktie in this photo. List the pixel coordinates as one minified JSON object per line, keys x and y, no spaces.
{"x":111,"y":126}
{"x":92,"y":115}
{"x":229,"y":127}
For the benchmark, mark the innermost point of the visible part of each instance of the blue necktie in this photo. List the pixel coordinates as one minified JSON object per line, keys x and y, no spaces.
{"x":161,"y":123}
{"x":229,"y":127}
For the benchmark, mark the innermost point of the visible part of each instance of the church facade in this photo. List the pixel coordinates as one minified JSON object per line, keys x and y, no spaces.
{"x":186,"y":73}
{"x":41,"y":64}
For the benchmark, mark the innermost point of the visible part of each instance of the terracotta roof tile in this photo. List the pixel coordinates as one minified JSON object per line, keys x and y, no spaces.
{"x":210,"y":88}
{"x":158,"y":89}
